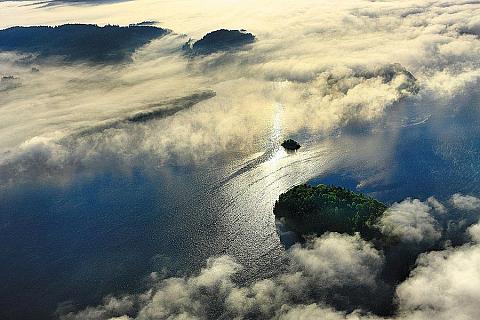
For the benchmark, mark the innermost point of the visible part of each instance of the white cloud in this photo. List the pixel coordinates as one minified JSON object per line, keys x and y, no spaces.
{"x":436,"y":205}
{"x":465,"y":202}
{"x":444,"y":285}
{"x":112,"y":308}
{"x":474,"y":232}
{"x":336,"y":259}
{"x":410,"y":221}
{"x":313,"y":311}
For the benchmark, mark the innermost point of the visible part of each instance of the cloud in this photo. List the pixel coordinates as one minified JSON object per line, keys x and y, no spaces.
{"x":239,"y":104}
{"x":465,"y":202}
{"x":314,"y":311}
{"x":474,"y":232}
{"x":336,"y":259}
{"x":410,"y":221}
{"x":444,"y":285}
{"x":213,"y":293}
{"x":112,"y":308}
{"x":436,"y":205}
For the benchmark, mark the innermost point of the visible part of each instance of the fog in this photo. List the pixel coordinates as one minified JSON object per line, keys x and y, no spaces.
{"x":349,"y":66}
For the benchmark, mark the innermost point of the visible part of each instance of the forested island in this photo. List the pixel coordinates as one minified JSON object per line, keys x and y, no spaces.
{"x":309,"y":209}
{"x":219,"y":40}
{"x":291,"y":144}
{"x":74,"y":42}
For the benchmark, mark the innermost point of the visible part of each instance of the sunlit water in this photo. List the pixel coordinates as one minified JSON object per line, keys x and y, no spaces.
{"x":106,"y":233}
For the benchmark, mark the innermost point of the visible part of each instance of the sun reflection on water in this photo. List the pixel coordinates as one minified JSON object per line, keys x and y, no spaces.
{"x":276,"y":135}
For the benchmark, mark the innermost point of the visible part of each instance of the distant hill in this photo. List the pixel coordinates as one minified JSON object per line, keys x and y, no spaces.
{"x":219,"y":40}
{"x":76,"y":42}
{"x":319,"y":209}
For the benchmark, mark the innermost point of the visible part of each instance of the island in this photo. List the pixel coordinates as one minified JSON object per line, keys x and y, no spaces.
{"x":74,"y":42}
{"x":291,"y":144}
{"x":219,"y":40}
{"x":307,"y":210}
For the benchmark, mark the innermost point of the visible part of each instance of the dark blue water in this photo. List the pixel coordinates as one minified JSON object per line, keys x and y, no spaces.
{"x":105,"y":234}
{"x":79,"y":241}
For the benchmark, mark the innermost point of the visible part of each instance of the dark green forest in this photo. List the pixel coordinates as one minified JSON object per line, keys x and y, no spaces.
{"x":317,"y":209}
{"x":219,"y":40}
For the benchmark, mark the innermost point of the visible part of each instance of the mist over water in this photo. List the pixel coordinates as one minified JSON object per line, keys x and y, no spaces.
{"x":115,"y":176}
